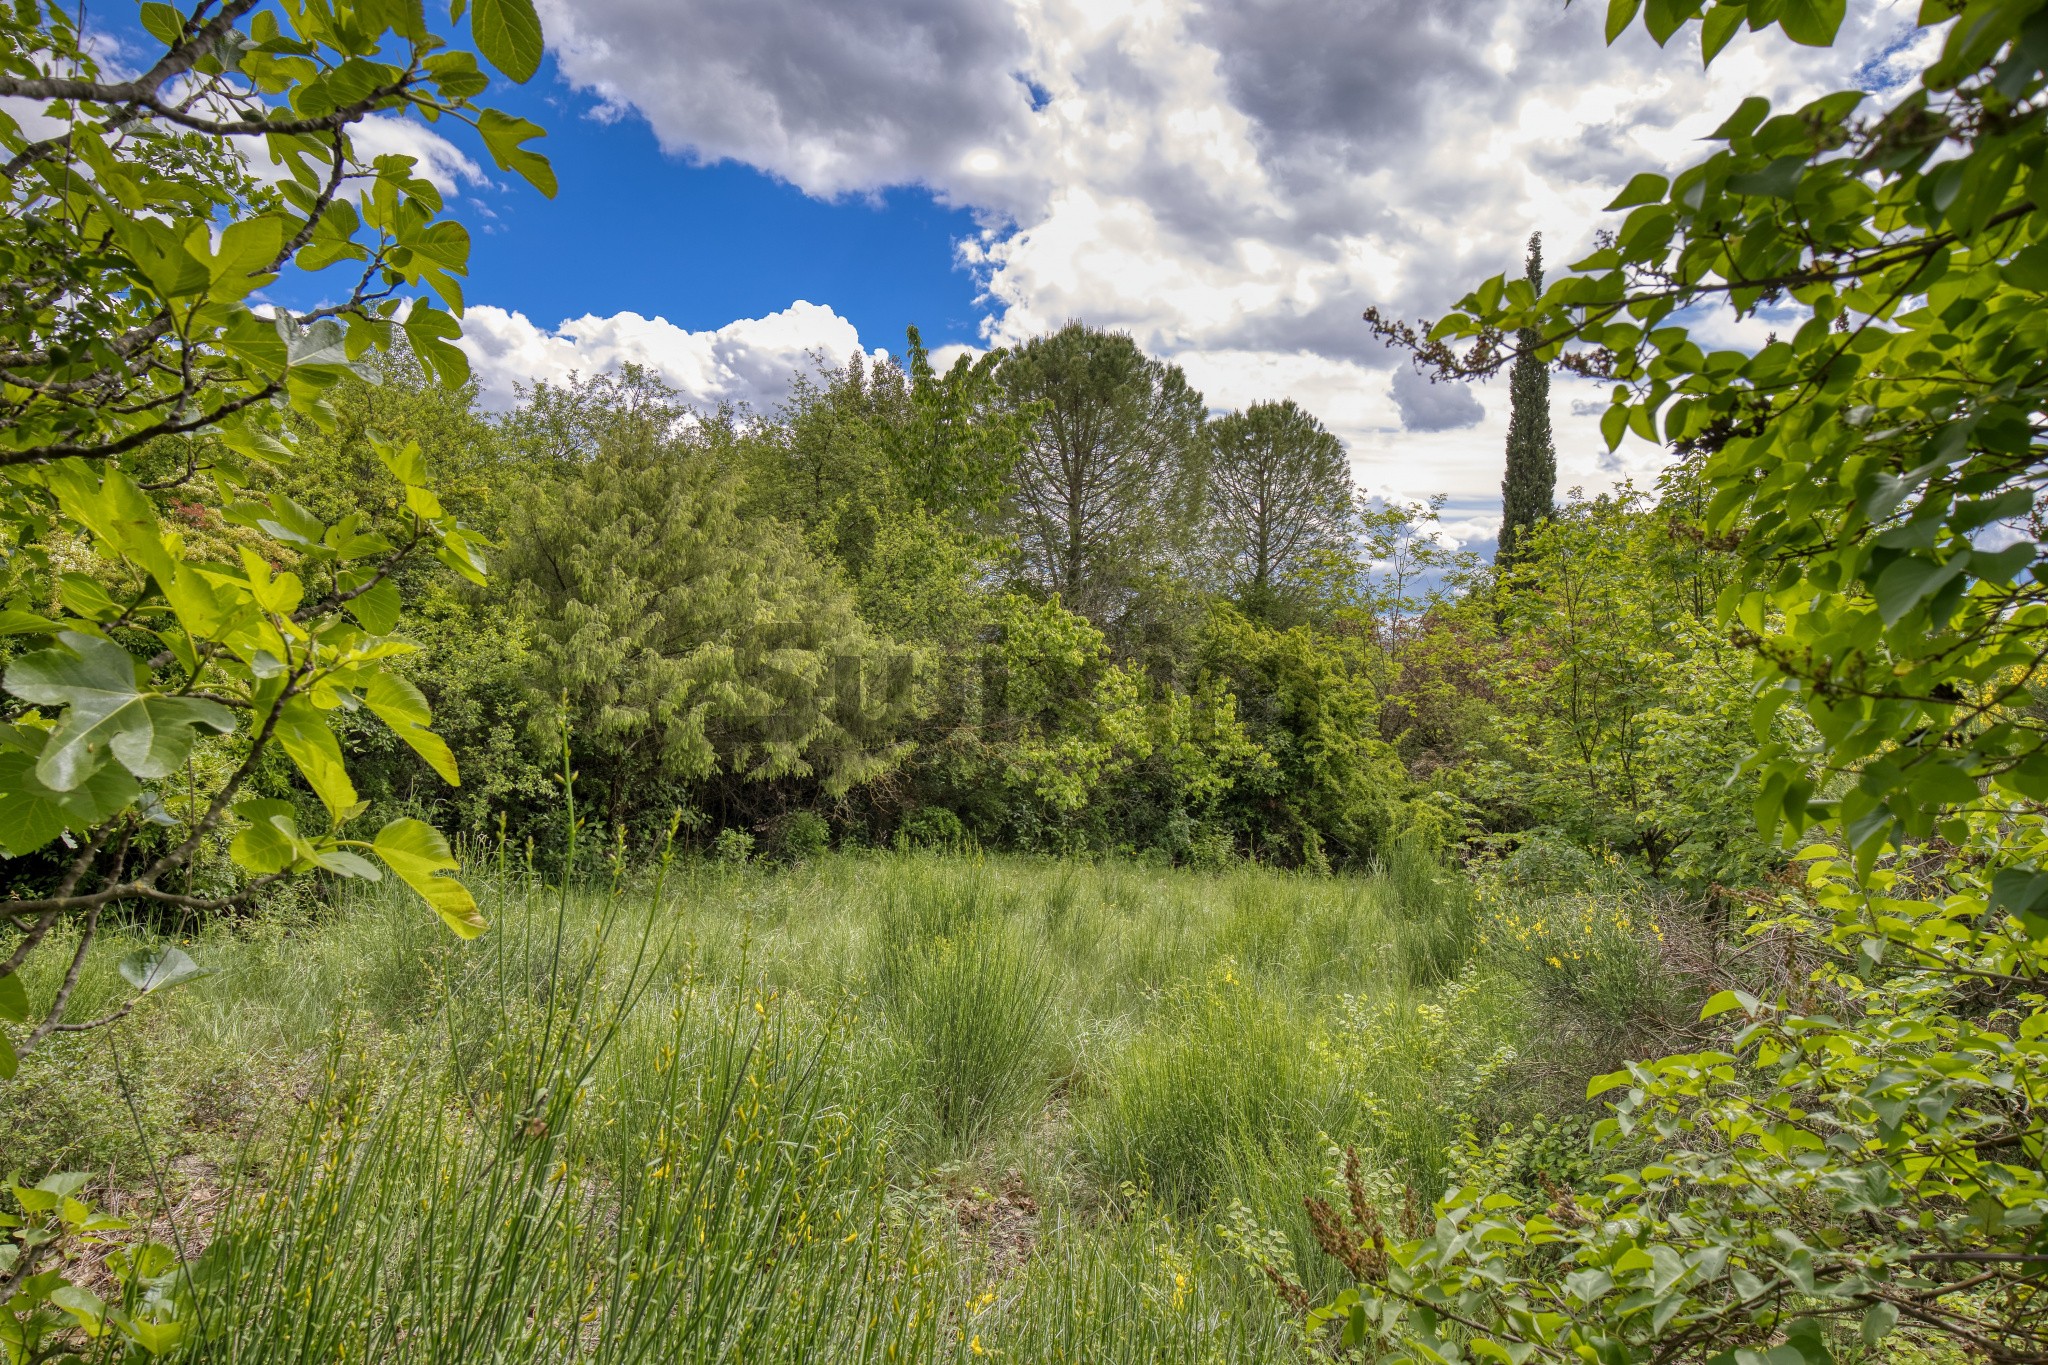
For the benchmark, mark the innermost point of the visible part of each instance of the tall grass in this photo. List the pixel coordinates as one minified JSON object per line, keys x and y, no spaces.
{"x":736,"y":1115}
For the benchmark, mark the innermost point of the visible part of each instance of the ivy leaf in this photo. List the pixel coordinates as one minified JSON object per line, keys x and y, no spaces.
{"x":404,"y":708}
{"x":416,"y":851}
{"x":148,"y":733}
{"x":149,"y":971}
{"x":507,"y":33}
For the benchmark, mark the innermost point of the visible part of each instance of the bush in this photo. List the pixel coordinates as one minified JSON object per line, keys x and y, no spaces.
{"x":934,"y":827}
{"x":802,"y":834}
{"x":734,"y":846}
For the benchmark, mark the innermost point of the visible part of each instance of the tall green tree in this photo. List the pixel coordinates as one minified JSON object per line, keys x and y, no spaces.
{"x":957,"y":442}
{"x":1279,"y":488}
{"x":704,"y":655}
{"x":1528,"y":491}
{"x":1108,"y":483}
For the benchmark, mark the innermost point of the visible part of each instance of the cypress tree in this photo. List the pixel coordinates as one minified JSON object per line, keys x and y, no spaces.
{"x":1529,"y":490}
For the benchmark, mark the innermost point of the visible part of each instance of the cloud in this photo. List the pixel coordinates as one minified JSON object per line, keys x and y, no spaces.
{"x":1431,"y":406}
{"x":750,"y":361}
{"x":438,"y":160}
{"x":850,"y":96}
{"x":1231,"y":181}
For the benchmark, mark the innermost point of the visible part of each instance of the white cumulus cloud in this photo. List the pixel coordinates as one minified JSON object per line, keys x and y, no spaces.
{"x":750,"y":361}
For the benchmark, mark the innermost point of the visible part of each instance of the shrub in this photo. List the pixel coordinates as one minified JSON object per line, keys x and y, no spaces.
{"x":734,"y":846}
{"x":934,"y":827}
{"x":802,"y":834}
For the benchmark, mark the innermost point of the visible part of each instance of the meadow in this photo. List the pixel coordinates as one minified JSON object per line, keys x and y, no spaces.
{"x":870,"y":1107}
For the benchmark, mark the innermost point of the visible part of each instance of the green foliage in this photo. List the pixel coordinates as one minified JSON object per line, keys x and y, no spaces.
{"x":140,"y":374}
{"x":43,"y":1311}
{"x":492,"y":1146}
{"x":970,"y":1012}
{"x":1851,"y":1145}
{"x":1625,"y":713}
{"x":691,"y":643}
{"x":1279,"y":487}
{"x":1308,"y":700}
{"x":1528,"y":490}
{"x":733,"y":846}
{"x":1109,"y":481}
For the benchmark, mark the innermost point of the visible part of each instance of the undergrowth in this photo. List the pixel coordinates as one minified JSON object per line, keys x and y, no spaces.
{"x":907,"y":1107}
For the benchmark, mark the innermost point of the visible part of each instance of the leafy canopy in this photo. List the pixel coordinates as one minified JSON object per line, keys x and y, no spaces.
{"x":139,"y":220}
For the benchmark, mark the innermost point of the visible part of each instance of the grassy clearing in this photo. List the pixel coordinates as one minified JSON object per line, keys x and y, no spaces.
{"x":868,"y":1108}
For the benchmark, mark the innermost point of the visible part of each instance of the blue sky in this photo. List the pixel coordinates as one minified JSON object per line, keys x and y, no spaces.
{"x":635,"y":228}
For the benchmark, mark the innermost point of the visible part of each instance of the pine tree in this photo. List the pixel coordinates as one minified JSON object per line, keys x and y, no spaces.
{"x":1529,"y":490}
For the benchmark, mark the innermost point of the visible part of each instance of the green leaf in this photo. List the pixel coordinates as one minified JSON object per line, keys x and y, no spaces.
{"x":1613,"y":1080}
{"x":1646,"y":188}
{"x":416,"y":851}
{"x":163,"y":23}
{"x":1878,"y":1322}
{"x":406,"y":463}
{"x":148,"y":733}
{"x":149,"y":970}
{"x":9,"y":1066}
{"x":1775,"y":181}
{"x":17,"y":622}
{"x":1721,"y":25}
{"x":303,"y":732}
{"x":376,"y":607}
{"x":345,"y":864}
{"x":2028,"y":270}
{"x":1725,"y":1001}
{"x":1812,"y":23}
{"x":82,"y":1304}
{"x":503,"y":137}
{"x":13,"y":998}
{"x":403,"y":707}
{"x":1620,"y":14}
{"x":32,"y":813}
{"x":507,"y":33}
{"x":1911,"y":580}
{"x":270,"y":840}
{"x":430,"y":332}
{"x":1614,"y":425}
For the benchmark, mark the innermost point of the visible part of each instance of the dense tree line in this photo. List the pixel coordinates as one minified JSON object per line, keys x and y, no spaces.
{"x":1041,"y":600}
